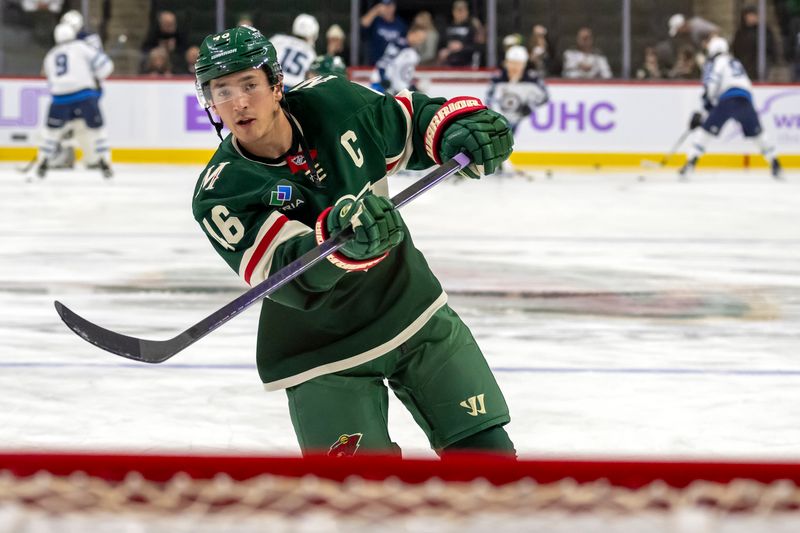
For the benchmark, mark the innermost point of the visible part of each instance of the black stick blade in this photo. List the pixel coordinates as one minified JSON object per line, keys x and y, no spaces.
{"x":142,"y":350}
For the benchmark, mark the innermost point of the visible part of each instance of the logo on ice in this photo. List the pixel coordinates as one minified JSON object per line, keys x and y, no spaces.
{"x":345,"y":446}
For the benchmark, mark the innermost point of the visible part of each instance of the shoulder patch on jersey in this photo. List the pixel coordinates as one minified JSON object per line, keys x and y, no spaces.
{"x":210,"y":177}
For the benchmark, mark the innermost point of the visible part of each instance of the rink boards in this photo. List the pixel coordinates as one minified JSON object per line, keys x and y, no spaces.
{"x":612,"y":124}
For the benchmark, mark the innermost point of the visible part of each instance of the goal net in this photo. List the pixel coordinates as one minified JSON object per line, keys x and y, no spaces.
{"x":172,"y":493}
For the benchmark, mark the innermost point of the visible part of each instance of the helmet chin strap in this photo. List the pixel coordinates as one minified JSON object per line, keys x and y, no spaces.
{"x":217,"y":125}
{"x":314,"y":177}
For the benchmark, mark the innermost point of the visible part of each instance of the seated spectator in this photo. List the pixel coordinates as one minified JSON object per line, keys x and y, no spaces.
{"x":459,"y":46}
{"x":795,"y":55}
{"x":544,"y":57}
{"x":745,"y":42}
{"x":650,"y":69}
{"x":192,"y":53}
{"x":165,"y":34}
{"x":686,"y":67}
{"x":380,"y":26}
{"x":585,"y":61}
{"x":427,"y":50}
{"x":158,"y":64}
{"x":698,"y":29}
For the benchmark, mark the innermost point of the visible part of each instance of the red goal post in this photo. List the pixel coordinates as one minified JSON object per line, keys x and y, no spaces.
{"x":50,"y":491}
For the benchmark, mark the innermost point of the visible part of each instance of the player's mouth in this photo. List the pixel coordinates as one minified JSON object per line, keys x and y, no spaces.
{"x":244,"y":122}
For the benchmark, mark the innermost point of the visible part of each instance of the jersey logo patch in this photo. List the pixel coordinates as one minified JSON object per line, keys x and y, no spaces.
{"x":345,"y":446}
{"x":281,"y":195}
{"x":298,"y":163}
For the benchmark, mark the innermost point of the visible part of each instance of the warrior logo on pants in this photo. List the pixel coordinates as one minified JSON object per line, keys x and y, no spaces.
{"x":345,"y":446}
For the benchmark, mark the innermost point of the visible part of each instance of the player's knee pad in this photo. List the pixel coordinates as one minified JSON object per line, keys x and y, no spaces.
{"x":493,"y":439}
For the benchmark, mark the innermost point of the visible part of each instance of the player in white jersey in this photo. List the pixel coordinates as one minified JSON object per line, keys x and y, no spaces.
{"x":397,"y":67}
{"x":64,"y":155}
{"x":74,"y":19}
{"x":296,"y":52}
{"x":516,"y":90}
{"x":728,"y":95}
{"x":73,"y":68}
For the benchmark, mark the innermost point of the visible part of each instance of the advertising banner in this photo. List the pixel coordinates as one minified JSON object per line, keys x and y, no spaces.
{"x":605,"y":118}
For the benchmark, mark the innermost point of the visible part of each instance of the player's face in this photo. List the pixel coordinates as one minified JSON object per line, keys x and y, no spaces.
{"x":515,"y":69}
{"x":247,"y":104}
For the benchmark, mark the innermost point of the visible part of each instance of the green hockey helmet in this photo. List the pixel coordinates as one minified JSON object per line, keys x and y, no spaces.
{"x":234,"y":50}
{"x":324,"y":65}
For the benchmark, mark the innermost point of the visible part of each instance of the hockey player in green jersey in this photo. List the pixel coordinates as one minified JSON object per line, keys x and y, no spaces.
{"x":301,"y":165}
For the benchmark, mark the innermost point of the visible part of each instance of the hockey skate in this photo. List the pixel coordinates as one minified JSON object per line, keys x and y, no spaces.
{"x":39,"y":171}
{"x":103,"y":167}
{"x":777,"y":170}
{"x":687,"y":169}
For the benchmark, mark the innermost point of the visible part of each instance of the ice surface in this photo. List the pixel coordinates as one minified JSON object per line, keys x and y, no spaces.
{"x":622,"y":316}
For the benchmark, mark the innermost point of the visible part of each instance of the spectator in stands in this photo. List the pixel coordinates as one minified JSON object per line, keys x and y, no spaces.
{"x":380,"y":26}
{"x":745,"y":42}
{"x":651,"y":68}
{"x":427,"y":50}
{"x":686,"y":66}
{"x":460,"y":44}
{"x":585,"y":61}
{"x":192,"y":53}
{"x":698,"y":29}
{"x":796,"y":52}
{"x":544,"y":58}
{"x":158,"y":63}
{"x":165,"y":34}
{"x":335,"y":42}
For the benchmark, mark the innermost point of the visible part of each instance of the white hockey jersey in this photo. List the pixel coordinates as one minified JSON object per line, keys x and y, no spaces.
{"x":92,"y":39}
{"x":724,"y":73}
{"x":295,"y":56}
{"x":74,"y":66}
{"x":396,"y":68}
{"x":516,"y":100}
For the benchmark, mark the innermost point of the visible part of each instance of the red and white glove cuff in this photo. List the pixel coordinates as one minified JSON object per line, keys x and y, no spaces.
{"x":337,"y":259}
{"x":450,"y":110}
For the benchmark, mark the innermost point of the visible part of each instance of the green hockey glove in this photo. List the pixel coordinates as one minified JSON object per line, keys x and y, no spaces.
{"x":484,"y":135}
{"x":375,"y":221}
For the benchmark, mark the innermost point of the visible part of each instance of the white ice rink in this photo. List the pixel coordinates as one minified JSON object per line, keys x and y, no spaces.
{"x":620,"y":316}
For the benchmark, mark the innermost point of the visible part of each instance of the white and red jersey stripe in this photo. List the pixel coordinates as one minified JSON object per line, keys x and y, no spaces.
{"x":257,"y":259}
{"x":399,"y":161}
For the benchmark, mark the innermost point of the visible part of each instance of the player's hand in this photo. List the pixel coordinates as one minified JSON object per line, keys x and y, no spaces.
{"x":696,"y":121}
{"x":484,"y":135}
{"x":375,"y":221}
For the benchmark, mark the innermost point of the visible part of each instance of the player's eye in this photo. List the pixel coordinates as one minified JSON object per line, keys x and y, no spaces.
{"x":250,"y":87}
{"x":222,"y":92}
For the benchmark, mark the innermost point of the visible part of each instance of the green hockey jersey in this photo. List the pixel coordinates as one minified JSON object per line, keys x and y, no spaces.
{"x":261,"y":215}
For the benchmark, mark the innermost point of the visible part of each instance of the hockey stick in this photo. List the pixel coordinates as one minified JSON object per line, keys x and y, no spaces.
{"x":664,"y":160}
{"x":150,"y":351}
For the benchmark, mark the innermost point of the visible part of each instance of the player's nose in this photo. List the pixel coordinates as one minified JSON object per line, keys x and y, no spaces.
{"x":241,"y":102}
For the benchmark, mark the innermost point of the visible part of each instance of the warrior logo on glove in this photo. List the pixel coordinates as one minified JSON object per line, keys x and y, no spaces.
{"x":465,"y":124}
